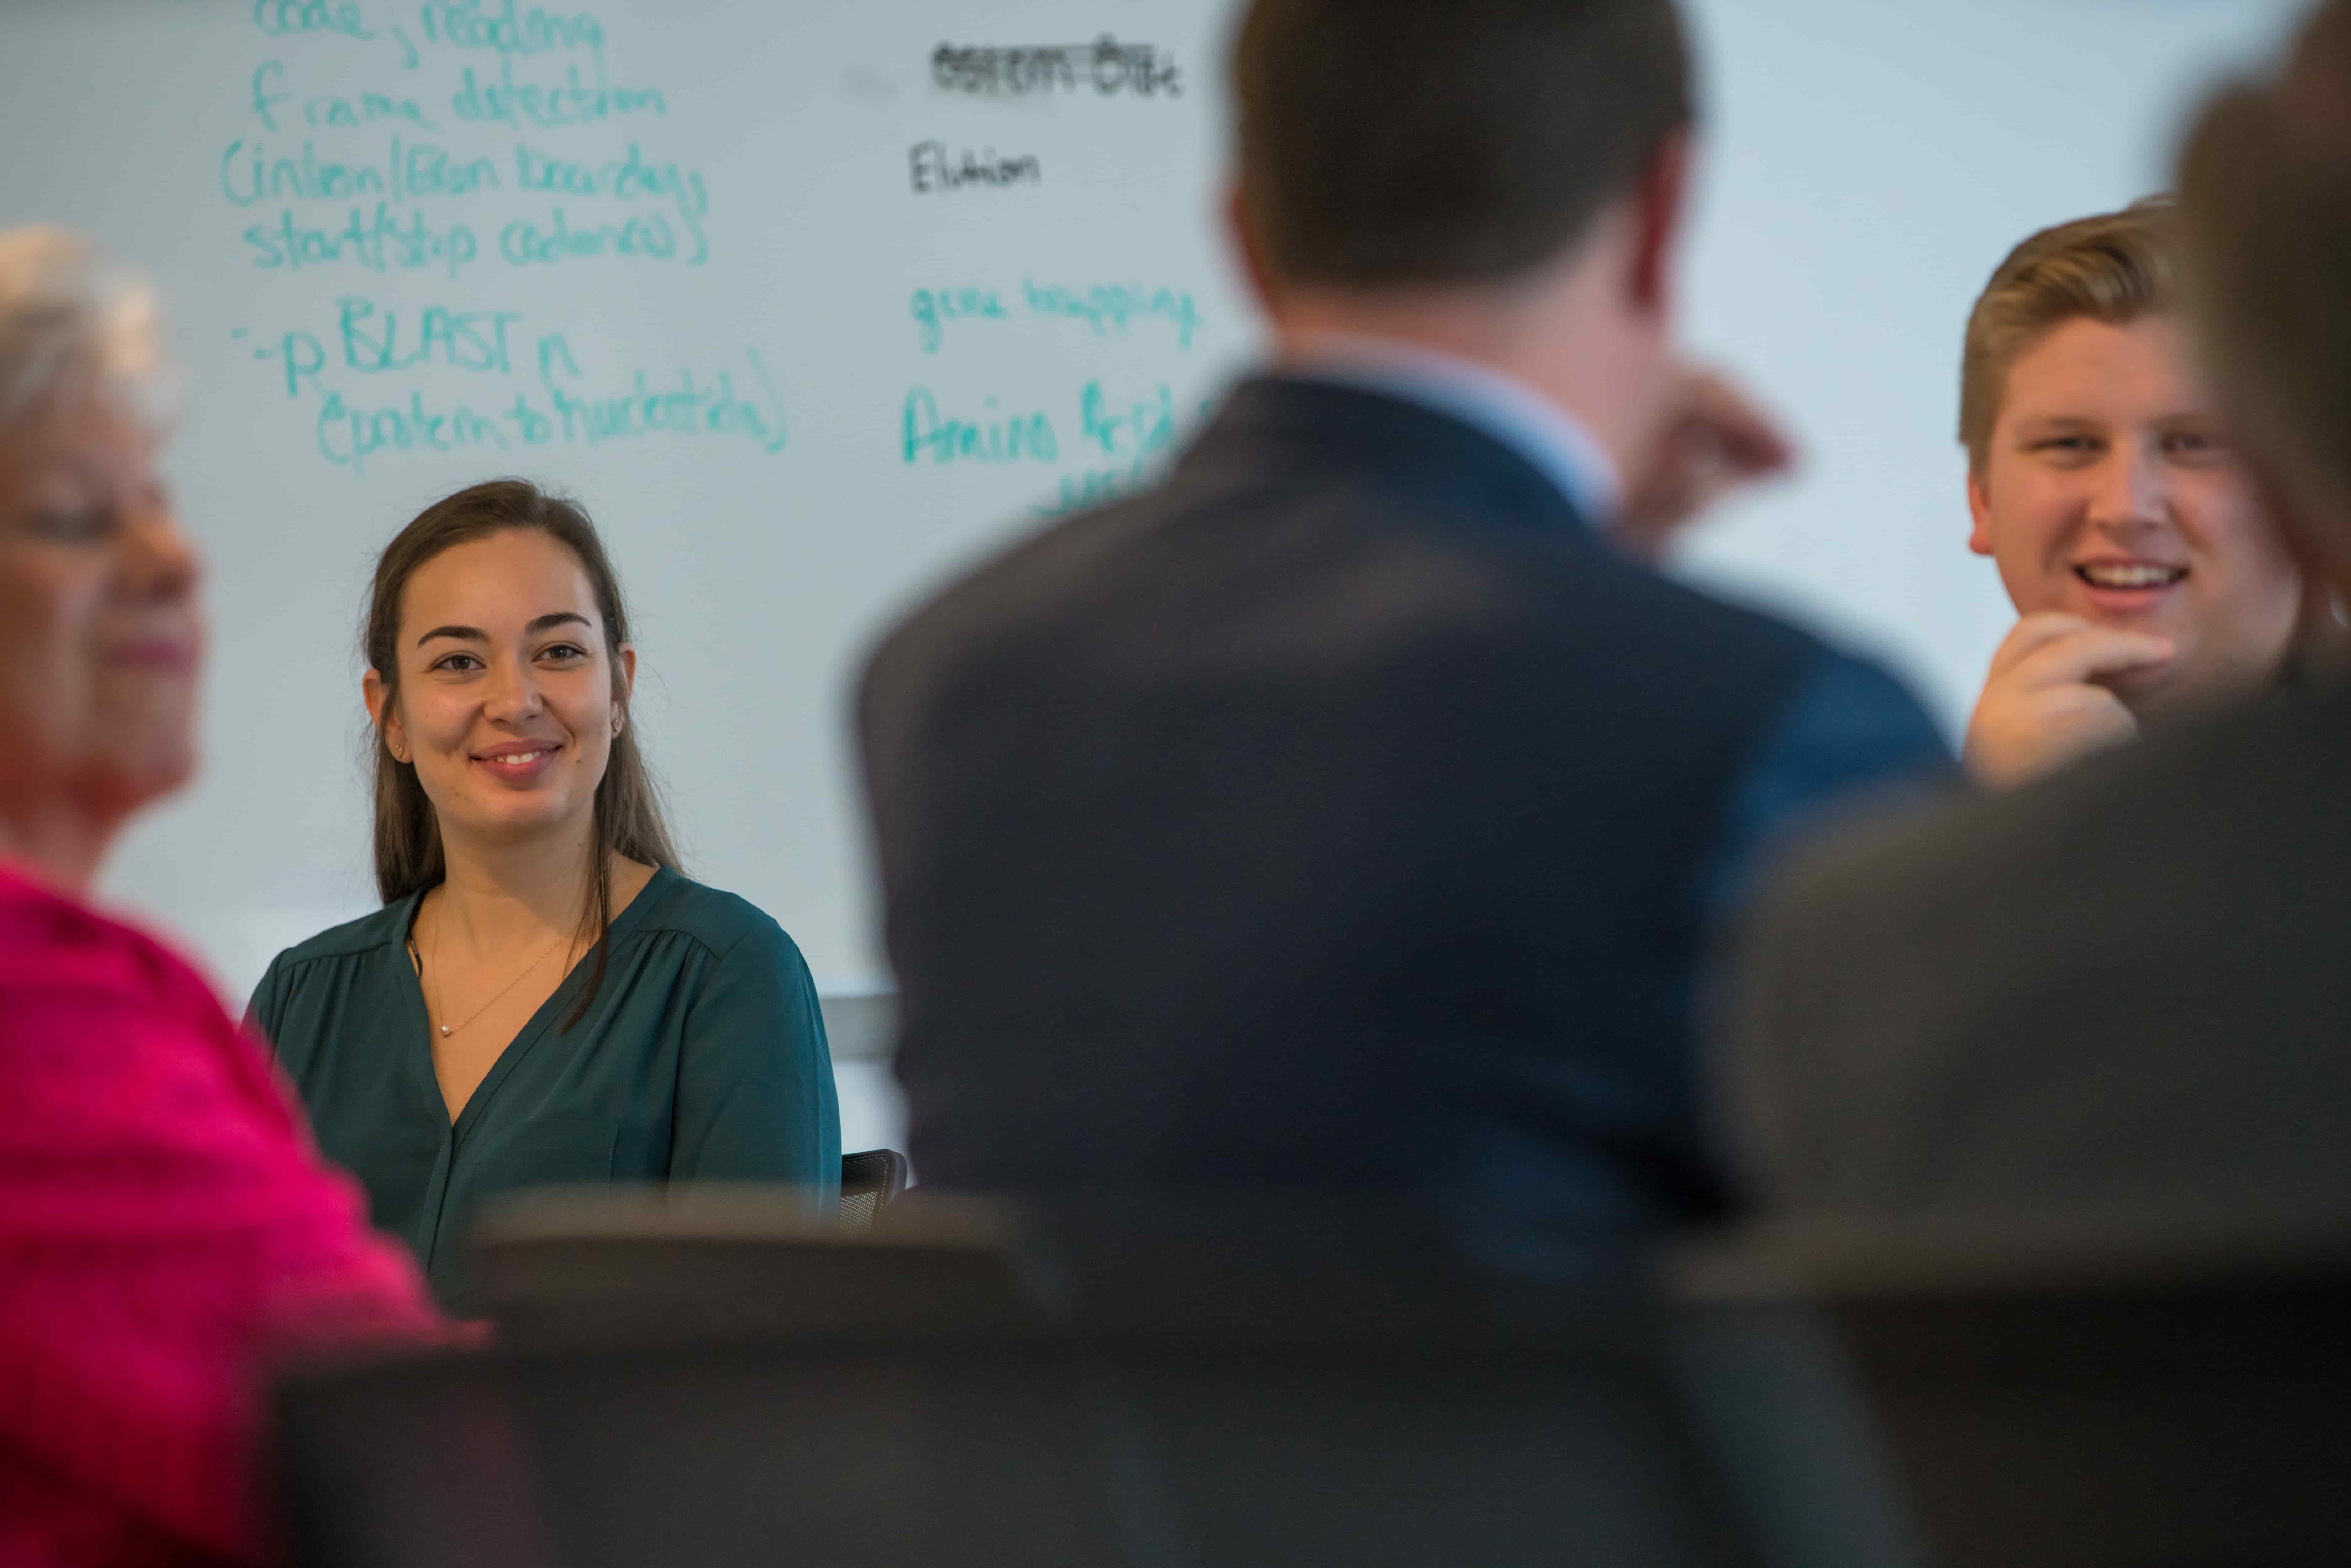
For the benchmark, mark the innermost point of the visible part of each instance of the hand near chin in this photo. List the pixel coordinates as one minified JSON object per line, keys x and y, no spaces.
{"x":2042,"y":706}
{"x":1714,"y":439}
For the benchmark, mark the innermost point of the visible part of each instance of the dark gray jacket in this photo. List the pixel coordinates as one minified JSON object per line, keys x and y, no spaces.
{"x":1344,"y":813}
{"x":2128,"y":987}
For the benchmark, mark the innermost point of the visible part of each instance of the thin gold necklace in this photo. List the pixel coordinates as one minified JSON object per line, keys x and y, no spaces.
{"x":449,"y":1029}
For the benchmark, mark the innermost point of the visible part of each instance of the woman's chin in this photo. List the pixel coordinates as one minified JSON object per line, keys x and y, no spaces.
{"x":513,"y":818}
{"x":133,"y":779}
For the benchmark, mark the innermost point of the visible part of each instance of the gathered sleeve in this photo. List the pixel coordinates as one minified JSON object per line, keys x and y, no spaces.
{"x":755,"y":1095}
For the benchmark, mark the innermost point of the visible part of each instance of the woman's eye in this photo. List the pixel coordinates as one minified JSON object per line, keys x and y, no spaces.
{"x":2191,"y":442}
{"x":459,"y":663}
{"x":563,"y":653}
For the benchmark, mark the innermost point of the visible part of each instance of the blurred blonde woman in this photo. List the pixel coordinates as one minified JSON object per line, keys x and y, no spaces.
{"x":163,"y":1221}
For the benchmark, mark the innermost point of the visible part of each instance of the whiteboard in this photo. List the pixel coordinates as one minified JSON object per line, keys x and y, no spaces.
{"x":810,"y":300}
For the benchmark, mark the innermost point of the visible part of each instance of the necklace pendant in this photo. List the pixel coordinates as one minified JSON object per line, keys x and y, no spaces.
{"x":445,"y":1029}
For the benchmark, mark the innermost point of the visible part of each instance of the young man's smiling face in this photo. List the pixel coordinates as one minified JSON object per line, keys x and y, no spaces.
{"x":2107,"y":490}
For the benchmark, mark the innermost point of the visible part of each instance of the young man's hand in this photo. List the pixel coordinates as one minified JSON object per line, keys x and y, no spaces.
{"x":2042,"y":706}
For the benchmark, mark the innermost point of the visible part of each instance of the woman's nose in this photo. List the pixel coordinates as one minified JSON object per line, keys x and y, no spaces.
{"x":163,"y":563}
{"x":514,"y":690}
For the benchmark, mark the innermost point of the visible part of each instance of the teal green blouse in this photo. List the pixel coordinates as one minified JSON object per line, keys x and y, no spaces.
{"x":702,"y":1057}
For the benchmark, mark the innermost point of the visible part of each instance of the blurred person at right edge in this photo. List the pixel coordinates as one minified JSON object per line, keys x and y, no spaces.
{"x":1346,"y":817}
{"x":2124,"y":989}
{"x":2103,"y":485}
{"x":166,"y":1226}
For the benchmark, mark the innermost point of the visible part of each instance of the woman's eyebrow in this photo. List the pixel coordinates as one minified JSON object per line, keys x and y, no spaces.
{"x":476,"y":634}
{"x":463,"y":635}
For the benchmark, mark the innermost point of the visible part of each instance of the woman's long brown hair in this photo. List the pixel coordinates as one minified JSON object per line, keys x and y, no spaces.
{"x":628,"y":819}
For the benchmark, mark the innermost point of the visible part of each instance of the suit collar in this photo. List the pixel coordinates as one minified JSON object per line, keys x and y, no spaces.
{"x":1479,"y":395}
{"x":1297,"y":424}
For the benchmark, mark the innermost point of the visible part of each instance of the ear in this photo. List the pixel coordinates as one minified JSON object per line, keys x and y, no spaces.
{"x":625,"y":676}
{"x":1251,"y":246}
{"x":1659,"y":198}
{"x":1979,"y":511}
{"x":388,"y":727}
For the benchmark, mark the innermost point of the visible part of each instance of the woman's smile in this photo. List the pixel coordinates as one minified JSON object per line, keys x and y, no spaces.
{"x":519,"y":762}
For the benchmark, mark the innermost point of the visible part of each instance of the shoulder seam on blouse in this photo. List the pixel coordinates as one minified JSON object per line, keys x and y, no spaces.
{"x":283,"y":962}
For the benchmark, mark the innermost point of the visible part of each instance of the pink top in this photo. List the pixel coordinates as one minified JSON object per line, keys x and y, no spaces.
{"x":164,"y":1225}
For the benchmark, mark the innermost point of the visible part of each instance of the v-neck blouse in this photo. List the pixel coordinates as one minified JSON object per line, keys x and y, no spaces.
{"x":703,"y":1057}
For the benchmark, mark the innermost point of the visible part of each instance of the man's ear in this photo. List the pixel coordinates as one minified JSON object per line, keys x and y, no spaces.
{"x":1659,"y":198}
{"x":1980,"y":512}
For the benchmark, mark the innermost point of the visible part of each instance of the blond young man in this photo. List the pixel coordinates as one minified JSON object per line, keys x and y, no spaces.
{"x":2125,"y":530}
{"x":2121,"y":992}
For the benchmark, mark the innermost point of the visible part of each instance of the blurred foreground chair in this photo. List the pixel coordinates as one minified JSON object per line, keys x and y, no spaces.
{"x":2094,"y":1394}
{"x":730,"y":1381}
{"x":869,"y":1182}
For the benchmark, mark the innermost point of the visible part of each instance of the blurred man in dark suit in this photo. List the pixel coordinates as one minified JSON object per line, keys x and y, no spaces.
{"x":1347,"y":813}
{"x":2128,"y":987}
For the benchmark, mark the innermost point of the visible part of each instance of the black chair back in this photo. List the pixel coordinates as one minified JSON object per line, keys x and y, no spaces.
{"x":2087,"y":1393}
{"x":945,"y":1390}
{"x":869,"y":1182}
{"x":602,"y":1266}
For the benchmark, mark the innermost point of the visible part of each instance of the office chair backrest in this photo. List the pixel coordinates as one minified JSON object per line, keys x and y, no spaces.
{"x":933,"y":1454}
{"x":950,"y":1412}
{"x":2086,"y":1394}
{"x":868,"y":1183}
{"x":606,"y":1265}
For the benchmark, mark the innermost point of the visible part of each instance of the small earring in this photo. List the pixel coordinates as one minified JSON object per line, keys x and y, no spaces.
{"x":616,"y":724}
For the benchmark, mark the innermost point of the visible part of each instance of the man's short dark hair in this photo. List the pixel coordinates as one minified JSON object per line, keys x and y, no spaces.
{"x":1445,"y":142}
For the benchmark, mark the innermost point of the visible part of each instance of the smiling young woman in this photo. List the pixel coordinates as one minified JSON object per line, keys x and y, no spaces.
{"x":2102,"y":485}
{"x":543,"y":998}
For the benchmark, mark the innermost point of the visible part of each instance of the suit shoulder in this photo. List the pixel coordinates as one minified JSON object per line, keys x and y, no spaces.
{"x":1687,"y":607}
{"x":997,"y":590}
{"x":1560,"y":580}
{"x":1384,"y":573}
{"x":1596,"y":619}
